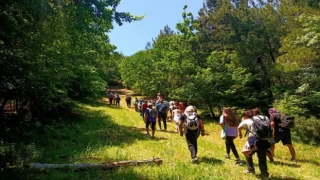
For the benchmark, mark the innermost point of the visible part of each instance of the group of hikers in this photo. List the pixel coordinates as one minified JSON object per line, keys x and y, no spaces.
{"x":114,"y":98}
{"x":263,"y":132}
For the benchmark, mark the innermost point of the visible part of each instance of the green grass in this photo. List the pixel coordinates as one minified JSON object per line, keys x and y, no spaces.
{"x":102,"y":133}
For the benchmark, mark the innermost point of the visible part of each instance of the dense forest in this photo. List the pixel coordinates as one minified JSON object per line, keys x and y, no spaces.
{"x":236,"y":53}
{"x":240,"y":54}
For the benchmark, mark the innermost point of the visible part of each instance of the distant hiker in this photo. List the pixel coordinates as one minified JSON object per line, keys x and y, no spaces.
{"x":144,"y":107}
{"x":162,"y":110}
{"x":159,"y":98}
{"x":176,"y":114}
{"x":281,"y":132}
{"x":257,"y":115}
{"x":253,"y":141}
{"x":140,"y":106}
{"x":128,"y":101}
{"x":150,"y":118}
{"x":136,"y":102}
{"x":181,"y":107}
{"x":229,"y":120}
{"x":110,"y":96}
{"x":192,"y":125}
{"x":171,"y":106}
{"x":117,"y":99}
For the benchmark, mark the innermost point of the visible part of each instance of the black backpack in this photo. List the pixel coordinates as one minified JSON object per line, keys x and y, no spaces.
{"x":263,"y":128}
{"x":286,"y":121}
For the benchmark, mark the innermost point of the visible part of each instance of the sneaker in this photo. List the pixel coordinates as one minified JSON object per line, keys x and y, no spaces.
{"x":195,"y":160}
{"x":227,"y":156}
{"x":238,"y":162}
{"x":249,"y":171}
{"x":293,"y":160}
{"x":263,"y":177}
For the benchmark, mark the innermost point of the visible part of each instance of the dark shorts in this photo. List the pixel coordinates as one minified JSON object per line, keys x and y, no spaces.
{"x":153,"y":125}
{"x":284,"y":137}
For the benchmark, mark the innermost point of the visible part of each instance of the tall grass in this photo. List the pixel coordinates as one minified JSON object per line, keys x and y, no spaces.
{"x":103,"y":133}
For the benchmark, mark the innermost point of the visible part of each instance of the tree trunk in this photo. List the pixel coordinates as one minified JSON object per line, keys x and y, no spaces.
{"x":211,"y":111}
{"x":106,"y":165}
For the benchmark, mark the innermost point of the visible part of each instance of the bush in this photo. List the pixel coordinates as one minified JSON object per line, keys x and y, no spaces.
{"x":307,"y":130}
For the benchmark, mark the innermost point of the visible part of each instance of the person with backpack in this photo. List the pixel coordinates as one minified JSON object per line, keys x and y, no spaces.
{"x":150,"y":118}
{"x":193,"y":126}
{"x":229,"y":120}
{"x":117,"y":99}
{"x":110,"y":96}
{"x":254,"y":141}
{"x":257,"y":115}
{"x":162,"y":110}
{"x":128,"y":101}
{"x":281,"y":124}
{"x":190,"y":105}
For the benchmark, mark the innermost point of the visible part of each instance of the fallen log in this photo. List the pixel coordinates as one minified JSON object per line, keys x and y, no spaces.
{"x":106,"y":165}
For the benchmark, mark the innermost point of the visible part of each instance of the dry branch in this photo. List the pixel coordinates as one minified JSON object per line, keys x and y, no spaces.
{"x":106,"y":165}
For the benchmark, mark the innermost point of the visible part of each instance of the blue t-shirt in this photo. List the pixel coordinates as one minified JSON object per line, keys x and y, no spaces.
{"x":162,"y":108}
{"x":149,"y":118}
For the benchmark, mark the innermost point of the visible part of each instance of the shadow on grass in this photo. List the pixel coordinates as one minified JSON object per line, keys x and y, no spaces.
{"x":287,"y":164}
{"x":279,"y":178}
{"x":211,"y":160}
{"x":64,"y":141}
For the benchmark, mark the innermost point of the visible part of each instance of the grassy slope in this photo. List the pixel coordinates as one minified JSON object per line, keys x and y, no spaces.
{"x":103,"y":133}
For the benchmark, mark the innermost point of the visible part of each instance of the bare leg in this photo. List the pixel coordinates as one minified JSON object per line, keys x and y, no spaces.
{"x":292,"y":151}
{"x":272,"y":149}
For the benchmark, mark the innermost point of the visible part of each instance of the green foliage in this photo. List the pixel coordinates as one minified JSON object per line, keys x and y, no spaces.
{"x":307,"y":130}
{"x":291,"y":104}
{"x":52,"y":51}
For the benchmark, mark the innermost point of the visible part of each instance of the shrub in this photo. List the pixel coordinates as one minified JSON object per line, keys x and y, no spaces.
{"x":307,"y":130}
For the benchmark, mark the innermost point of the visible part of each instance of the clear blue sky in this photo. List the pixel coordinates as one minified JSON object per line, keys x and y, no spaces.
{"x":133,"y":37}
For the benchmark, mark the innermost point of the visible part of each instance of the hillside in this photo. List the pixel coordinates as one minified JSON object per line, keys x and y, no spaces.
{"x":103,"y":133}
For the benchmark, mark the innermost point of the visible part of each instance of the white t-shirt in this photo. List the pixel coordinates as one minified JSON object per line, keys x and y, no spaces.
{"x":171,"y":103}
{"x":247,"y":123}
{"x":177,"y":115}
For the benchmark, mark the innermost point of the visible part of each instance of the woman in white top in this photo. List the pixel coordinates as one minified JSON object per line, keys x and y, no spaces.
{"x":176,"y":114}
{"x":230,"y":120}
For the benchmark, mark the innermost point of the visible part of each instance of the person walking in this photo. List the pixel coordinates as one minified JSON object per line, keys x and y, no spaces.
{"x":280,"y":133}
{"x":193,"y":126}
{"x":260,"y":146}
{"x":231,"y":122}
{"x":117,"y":100}
{"x":176,"y":114}
{"x":150,"y":118}
{"x":128,"y":101}
{"x":258,"y":116}
{"x":162,"y":110}
{"x":144,"y":107}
